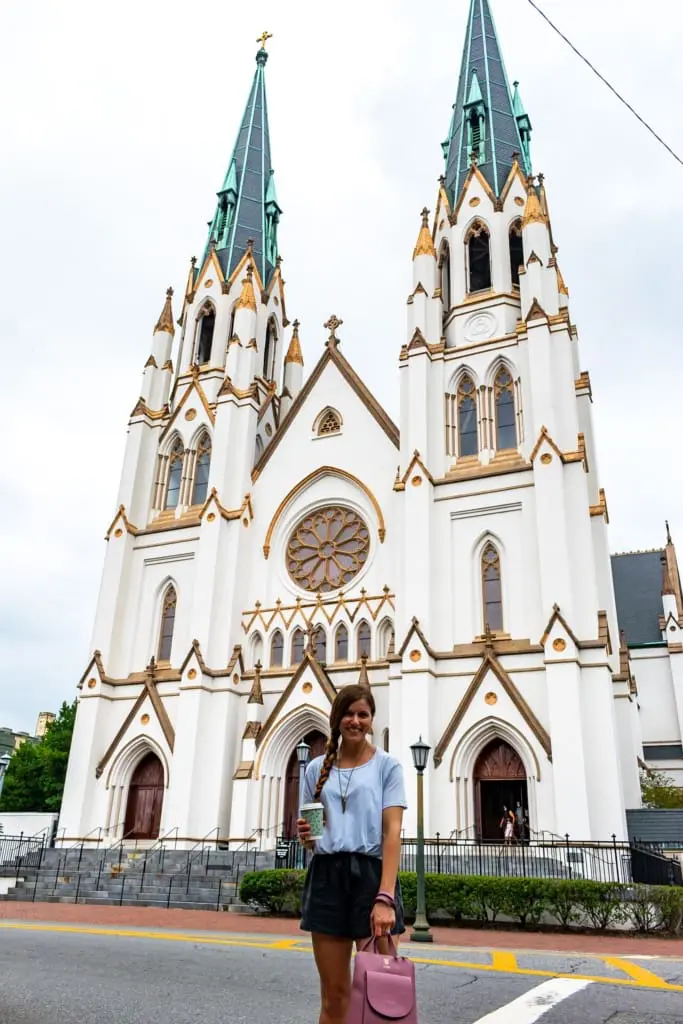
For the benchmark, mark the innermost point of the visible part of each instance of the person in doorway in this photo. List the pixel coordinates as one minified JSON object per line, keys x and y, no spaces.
{"x":351,"y":892}
{"x":507,"y":824}
{"x":520,"y":822}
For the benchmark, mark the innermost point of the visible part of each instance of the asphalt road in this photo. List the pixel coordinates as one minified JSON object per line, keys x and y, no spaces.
{"x":78,"y":975}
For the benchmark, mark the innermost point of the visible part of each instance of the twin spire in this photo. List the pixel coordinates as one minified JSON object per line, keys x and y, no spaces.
{"x":489,"y":125}
{"x":247,"y":207}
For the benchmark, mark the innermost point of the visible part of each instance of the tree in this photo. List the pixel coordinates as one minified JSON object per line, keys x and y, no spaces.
{"x":36,"y":772}
{"x":659,"y":790}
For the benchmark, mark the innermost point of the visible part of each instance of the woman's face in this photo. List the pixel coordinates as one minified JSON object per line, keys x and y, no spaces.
{"x":356,"y":723}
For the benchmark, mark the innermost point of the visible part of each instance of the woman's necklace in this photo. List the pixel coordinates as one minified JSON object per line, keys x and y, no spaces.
{"x":344,"y":795}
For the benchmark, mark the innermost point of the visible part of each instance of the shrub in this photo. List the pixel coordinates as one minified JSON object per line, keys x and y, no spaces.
{"x":483,"y":898}
{"x":277,"y":892}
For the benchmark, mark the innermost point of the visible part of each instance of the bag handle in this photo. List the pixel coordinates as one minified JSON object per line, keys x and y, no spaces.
{"x":370,"y":945}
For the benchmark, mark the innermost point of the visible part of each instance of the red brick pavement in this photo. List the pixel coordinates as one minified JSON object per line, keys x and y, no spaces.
{"x":208,"y":921}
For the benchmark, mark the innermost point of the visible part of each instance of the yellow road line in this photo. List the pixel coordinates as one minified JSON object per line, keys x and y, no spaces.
{"x":635,"y":971}
{"x":502,"y":962}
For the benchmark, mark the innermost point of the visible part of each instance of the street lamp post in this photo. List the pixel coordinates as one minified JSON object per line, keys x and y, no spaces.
{"x":4,"y":765}
{"x":421,"y":932}
{"x":303,"y":752}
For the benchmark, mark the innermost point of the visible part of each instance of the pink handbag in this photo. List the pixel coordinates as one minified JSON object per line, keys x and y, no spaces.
{"x":383,"y":987}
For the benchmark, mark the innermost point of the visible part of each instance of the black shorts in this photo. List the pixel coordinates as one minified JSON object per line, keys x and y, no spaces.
{"x":339,"y":893}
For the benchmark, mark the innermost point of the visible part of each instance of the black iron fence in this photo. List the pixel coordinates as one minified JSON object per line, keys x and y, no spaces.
{"x":16,"y":851}
{"x":611,"y":861}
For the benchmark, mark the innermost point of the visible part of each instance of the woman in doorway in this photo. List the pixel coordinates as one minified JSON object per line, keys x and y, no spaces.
{"x":507,"y":823}
{"x":351,"y":891}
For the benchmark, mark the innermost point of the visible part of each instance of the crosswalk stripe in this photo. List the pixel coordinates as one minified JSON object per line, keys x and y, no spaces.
{"x":533,"y":1004}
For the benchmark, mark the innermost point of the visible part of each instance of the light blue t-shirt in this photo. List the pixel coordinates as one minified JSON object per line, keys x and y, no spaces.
{"x":372,"y":787}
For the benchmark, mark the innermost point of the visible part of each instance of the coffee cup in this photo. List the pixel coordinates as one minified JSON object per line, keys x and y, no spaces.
{"x":313,"y":815}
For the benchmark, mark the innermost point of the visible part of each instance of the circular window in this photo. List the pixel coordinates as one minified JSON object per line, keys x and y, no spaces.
{"x":327,"y":549}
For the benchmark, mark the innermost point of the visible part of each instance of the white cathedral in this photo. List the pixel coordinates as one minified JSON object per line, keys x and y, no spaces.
{"x":278,"y":537}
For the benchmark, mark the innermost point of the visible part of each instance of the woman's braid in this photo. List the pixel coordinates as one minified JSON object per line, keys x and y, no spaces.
{"x":326,"y":767}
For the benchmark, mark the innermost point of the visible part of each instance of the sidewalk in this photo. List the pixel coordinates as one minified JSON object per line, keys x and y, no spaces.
{"x":210,"y":921}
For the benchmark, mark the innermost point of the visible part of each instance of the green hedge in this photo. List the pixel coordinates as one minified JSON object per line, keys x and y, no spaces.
{"x":567,"y":903}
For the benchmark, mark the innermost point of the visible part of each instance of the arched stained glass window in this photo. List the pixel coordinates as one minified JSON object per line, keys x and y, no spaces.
{"x":516,"y":251}
{"x":297,"y":647}
{"x":320,"y":644}
{"x":200,"y":488}
{"x":492,"y":594}
{"x":341,"y":643}
{"x":363,"y":640}
{"x":167,"y":625}
{"x":175,"y":474}
{"x":468,"y":440}
{"x":277,"y":649}
{"x":506,"y":427}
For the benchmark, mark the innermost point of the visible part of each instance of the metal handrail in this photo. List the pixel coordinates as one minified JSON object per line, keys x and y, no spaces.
{"x":81,"y":843}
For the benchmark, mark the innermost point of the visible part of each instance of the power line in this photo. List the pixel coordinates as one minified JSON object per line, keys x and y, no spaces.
{"x":609,"y":86}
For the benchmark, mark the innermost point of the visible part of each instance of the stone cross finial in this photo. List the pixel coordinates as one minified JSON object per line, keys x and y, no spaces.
{"x":332,"y":324}
{"x":425,"y":217}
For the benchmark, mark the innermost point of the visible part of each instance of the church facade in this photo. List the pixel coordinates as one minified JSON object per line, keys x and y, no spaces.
{"x":279,"y":537}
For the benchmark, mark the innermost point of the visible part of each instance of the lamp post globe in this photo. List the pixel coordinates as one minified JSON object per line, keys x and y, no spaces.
{"x":420,"y":932}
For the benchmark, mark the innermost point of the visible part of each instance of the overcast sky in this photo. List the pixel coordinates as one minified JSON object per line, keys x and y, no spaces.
{"x":116,"y":125}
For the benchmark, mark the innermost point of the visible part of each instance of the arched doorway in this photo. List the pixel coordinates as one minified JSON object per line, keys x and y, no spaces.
{"x":499,"y":781}
{"x":316,"y":742}
{"x":145,"y":799}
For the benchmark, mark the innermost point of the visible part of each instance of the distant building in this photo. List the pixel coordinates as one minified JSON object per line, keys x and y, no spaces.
{"x":44,"y":719}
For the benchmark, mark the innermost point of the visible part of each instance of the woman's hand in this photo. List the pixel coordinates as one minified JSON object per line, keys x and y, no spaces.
{"x":304,"y":832}
{"x":382,"y":919}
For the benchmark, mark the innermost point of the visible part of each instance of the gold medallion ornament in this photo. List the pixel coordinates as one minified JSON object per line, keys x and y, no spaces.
{"x":327,"y":549}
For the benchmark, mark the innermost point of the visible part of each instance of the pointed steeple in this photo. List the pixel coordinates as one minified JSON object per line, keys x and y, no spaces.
{"x":487,"y":121}
{"x":247,"y":206}
{"x":294,"y":354}
{"x":165,"y":321}
{"x":424,"y":245}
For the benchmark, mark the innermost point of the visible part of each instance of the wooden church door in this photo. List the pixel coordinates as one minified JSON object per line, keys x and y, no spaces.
{"x":316,"y":742}
{"x":145,"y":799}
{"x":499,"y":781}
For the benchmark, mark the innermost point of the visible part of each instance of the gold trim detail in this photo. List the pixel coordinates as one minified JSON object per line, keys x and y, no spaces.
{"x":303,"y":484}
{"x":583,"y":383}
{"x":533,"y":214}
{"x":294,"y":353}
{"x":327,"y":549}
{"x":601,"y":508}
{"x":165,"y":321}
{"x":309,"y":663}
{"x":424,"y":245}
{"x":490,"y":663}
{"x":247,"y":299}
{"x":286,"y":614}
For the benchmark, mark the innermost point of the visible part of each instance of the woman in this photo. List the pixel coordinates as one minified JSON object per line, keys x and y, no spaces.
{"x":351,"y":891}
{"x":507,"y":823}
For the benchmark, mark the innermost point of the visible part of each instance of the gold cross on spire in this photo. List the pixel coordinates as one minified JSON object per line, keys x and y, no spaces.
{"x":332,"y":324}
{"x":263,"y":39}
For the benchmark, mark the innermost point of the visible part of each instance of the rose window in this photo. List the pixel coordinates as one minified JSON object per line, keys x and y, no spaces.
{"x":327,"y":549}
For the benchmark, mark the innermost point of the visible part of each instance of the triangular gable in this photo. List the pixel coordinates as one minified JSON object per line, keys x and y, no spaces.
{"x":473,"y":172}
{"x":330,"y":355}
{"x":227,"y":513}
{"x":557,"y":616}
{"x":122,"y":518}
{"x":536,"y":312}
{"x":96,"y":663}
{"x":416,"y":461}
{"x":210,"y":261}
{"x":491,"y":664}
{"x":415,"y":630}
{"x":149,"y":689}
{"x":515,"y":173}
{"x":321,"y":677}
{"x":196,"y":387}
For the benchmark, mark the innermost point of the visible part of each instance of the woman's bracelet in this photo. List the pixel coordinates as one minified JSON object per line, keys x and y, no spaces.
{"x":385,"y":897}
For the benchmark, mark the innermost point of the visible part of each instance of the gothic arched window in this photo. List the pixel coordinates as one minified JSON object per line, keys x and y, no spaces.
{"x":269,"y":351}
{"x":506,"y":428}
{"x":175,"y":474}
{"x":258,"y":448}
{"x":277,"y":649}
{"x":478,"y":241}
{"x":516,"y":250}
{"x":320,"y":644}
{"x":341,"y":643}
{"x":257,"y":649}
{"x":363,"y":644}
{"x":200,"y":488}
{"x":468,"y":440}
{"x":385,"y":638}
{"x":297,"y":655}
{"x":329,"y":422}
{"x":492,"y":594}
{"x":206,"y":326}
{"x":445,"y":276}
{"x":167,"y":624}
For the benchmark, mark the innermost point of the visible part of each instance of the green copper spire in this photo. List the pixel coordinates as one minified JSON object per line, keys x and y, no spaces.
{"x":247,"y":208}
{"x":485,"y":123}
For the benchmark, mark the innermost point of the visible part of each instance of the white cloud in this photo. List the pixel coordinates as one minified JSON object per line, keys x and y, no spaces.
{"x":117,"y":127}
